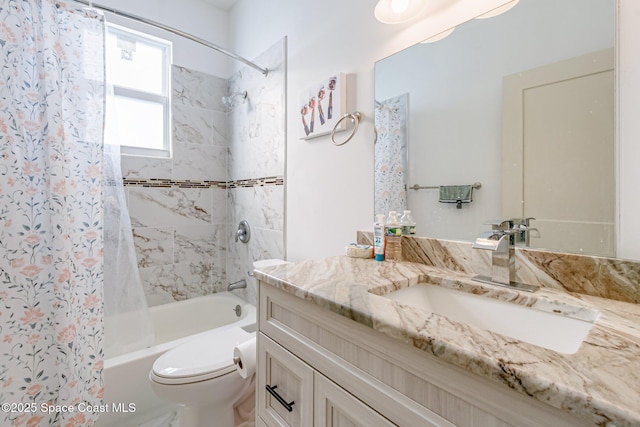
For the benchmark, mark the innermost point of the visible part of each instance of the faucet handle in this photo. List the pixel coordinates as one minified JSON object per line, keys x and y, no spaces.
{"x":522,"y":222}
{"x":533,"y":232}
{"x":243,"y":233}
{"x":500,"y":224}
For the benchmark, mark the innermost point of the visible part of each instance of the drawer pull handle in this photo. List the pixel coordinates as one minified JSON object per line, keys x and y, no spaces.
{"x":274,"y":393}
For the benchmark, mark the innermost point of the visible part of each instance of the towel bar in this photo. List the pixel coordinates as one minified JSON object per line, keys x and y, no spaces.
{"x":475,"y":186}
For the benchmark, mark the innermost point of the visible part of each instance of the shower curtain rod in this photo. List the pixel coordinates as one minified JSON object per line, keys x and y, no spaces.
{"x":264,"y":71}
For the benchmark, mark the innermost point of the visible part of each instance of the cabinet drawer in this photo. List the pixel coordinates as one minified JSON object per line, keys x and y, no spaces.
{"x":334,"y":407}
{"x":291,"y":380}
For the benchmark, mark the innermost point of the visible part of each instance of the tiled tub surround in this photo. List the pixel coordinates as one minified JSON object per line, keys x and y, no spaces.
{"x":178,"y":206}
{"x":183,"y":253}
{"x":599,"y":383}
{"x":256,"y":148}
{"x":180,"y":241}
{"x":256,"y":125}
{"x":185,"y":210}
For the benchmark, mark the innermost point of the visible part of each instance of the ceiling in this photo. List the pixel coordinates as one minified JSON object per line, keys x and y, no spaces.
{"x":221,"y":4}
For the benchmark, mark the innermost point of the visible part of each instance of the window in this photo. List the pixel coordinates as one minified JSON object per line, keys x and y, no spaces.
{"x":138,"y":110}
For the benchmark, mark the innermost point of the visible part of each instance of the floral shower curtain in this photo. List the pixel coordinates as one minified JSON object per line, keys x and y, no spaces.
{"x":51,"y":267}
{"x":391,"y":116}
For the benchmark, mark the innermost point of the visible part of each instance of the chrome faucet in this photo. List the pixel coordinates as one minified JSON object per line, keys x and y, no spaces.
{"x":240,"y":284}
{"x":500,"y":241}
{"x":523,"y":231}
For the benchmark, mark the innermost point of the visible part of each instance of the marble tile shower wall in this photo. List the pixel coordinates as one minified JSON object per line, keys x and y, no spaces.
{"x":257,"y":150}
{"x":185,"y":210}
{"x":180,"y":228}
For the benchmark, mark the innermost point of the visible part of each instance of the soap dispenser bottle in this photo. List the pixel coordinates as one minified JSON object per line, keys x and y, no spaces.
{"x":393,"y":250}
{"x":408,"y":224}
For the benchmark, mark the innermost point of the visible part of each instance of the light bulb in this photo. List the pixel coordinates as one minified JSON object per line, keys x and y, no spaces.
{"x":399,"y":6}
{"x":398,"y":11}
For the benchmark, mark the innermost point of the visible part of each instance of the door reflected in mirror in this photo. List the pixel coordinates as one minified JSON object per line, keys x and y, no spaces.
{"x":522,"y":103}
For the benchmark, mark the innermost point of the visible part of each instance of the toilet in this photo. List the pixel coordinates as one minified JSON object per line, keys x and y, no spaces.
{"x":201,"y":378}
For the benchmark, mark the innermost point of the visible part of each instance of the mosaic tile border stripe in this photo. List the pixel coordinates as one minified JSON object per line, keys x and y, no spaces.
{"x":169,"y":183}
{"x":256,"y":182}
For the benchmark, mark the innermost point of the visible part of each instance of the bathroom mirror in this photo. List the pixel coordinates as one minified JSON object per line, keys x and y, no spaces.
{"x":521,"y":103}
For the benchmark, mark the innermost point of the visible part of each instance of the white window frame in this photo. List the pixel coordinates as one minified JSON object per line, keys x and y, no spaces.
{"x":164,"y":99}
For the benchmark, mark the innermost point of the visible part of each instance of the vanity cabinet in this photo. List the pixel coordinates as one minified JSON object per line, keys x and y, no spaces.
{"x":290,"y":379}
{"x":335,"y":407}
{"x":304,"y":396}
{"x":334,"y":371}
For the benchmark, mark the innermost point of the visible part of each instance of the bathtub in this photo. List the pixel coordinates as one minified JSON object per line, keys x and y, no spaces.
{"x":128,"y":398}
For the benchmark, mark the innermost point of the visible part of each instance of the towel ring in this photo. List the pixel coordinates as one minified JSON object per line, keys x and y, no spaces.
{"x":355,"y":118}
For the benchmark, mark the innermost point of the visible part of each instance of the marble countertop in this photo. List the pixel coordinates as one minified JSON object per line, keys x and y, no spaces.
{"x":600,"y":382}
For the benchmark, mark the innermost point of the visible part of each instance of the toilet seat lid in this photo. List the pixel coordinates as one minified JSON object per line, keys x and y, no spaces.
{"x":208,"y":356}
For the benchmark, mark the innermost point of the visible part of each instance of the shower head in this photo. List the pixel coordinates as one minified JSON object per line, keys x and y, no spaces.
{"x":228,"y":100}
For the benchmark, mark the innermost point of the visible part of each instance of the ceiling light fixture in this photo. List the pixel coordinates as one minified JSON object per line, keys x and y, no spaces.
{"x":438,"y":36}
{"x":498,"y":10}
{"x":398,"y":11}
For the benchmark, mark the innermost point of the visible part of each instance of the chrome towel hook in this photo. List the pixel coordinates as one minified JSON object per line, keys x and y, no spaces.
{"x":355,"y":118}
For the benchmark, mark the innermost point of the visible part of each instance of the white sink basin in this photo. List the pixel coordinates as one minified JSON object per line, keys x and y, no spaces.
{"x":549,"y":330}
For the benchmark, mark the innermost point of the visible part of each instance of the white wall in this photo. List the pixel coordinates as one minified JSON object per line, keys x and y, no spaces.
{"x":330,"y":189}
{"x":629,"y":130}
{"x":192,"y":16}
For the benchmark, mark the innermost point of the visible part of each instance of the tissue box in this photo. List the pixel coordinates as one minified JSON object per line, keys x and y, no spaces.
{"x":359,"y":251}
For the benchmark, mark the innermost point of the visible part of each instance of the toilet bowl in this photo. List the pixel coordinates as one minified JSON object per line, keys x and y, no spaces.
{"x":201,"y":378}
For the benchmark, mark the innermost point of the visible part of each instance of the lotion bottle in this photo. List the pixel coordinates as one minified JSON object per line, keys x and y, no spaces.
{"x":379,"y":237}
